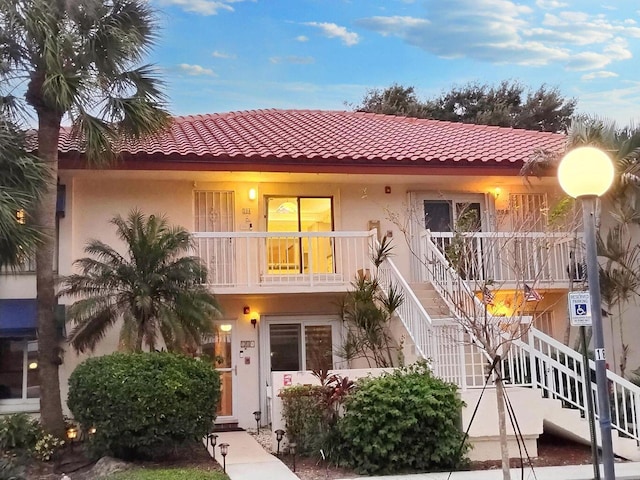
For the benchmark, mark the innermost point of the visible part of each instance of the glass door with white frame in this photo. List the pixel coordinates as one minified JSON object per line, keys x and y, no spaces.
{"x":221,"y":350}
{"x":294,"y":253}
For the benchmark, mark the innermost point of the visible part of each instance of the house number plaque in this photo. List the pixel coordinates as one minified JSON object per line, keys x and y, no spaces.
{"x":247,"y":344}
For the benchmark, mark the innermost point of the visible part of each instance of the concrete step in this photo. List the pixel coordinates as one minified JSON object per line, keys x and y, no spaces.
{"x":569,"y":423}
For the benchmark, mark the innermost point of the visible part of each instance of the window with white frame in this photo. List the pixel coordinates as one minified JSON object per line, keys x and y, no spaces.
{"x":301,"y":345}
{"x":19,"y":369}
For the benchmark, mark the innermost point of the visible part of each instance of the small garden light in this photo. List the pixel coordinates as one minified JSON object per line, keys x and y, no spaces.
{"x":292,"y":451}
{"x":279,"y":435}
{"x":257,"y":415}
{"x":224,"y":449}
{"x":72,"y":435}
{"x":212,"y":438}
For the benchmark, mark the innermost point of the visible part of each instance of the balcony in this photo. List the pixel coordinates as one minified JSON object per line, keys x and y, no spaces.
{"x":277,"y":262}
{"x":507,"y":258}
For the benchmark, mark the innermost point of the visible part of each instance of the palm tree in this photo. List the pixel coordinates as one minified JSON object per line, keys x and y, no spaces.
{"x":78,"y":61}
{"x":21,"y":180}
{"x":156,"y":290}
{"x":623,"y":146}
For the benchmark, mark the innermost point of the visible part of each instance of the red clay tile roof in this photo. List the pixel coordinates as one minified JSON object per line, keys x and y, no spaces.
{"x":310,"y":137}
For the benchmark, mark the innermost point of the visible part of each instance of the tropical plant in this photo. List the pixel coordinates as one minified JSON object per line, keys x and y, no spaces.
{"x":22,"y":178}
{"x":79,"y":61}
{"x":156,"y":290}
{"x":366,"y":313}
{"x":18,"y":432}
{"x":144,"y":404}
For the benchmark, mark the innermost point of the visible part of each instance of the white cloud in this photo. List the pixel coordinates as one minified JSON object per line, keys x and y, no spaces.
{"x":507,"y":32}
{"x":302,"y":38}
{"x":219,"y":54}
{"x":292,"y":59}
{"x":196,"y":70}
{"x":550,"y":4}
{"x":600,"y":74}
{"x":332,"y":30}
{"x":202,"y":7}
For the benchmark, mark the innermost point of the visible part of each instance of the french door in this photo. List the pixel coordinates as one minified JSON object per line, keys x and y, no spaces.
{"x":293,"y":253}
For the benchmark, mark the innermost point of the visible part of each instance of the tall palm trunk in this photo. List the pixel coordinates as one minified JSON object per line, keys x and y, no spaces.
{"x":49,"y":352}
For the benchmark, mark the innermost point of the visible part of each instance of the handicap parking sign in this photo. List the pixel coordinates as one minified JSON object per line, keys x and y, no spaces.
{"x":580,"y":308}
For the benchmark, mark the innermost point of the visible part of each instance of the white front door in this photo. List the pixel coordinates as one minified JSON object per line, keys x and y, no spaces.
{"x":222,"y":352}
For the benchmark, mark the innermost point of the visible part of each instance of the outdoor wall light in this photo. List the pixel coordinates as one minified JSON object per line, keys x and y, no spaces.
{"x":587,"y":173}
{"x":257,"y":415}
{"x":254,"y":319}
{"x":224,"y":449}
{"x":212,"y":438}
{"x":253,"y":194}
{"x":226,"y":327}
{"x":292,"y":451}
{"x":279,"y":436}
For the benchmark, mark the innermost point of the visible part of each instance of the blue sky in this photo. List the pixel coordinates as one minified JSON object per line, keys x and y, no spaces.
{"x":227,"y":55}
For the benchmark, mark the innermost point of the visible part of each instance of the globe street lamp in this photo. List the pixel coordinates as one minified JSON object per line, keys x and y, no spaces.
{"x":586,"y":173}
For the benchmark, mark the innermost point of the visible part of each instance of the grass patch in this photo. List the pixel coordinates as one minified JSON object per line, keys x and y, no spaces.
{"x":167,"y":474}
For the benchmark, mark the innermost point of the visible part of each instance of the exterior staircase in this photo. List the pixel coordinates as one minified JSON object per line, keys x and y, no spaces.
{"x":434,"y":313}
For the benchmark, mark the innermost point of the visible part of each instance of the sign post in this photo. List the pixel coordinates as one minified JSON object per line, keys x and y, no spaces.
{"x":580,"y":315}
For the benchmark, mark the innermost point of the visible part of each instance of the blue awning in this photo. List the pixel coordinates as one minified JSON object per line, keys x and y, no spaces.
{"x":18,"y":317}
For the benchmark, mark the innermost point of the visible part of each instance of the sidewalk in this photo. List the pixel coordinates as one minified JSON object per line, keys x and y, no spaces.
{"x":247,"y":460}
{"x":624,"y":471}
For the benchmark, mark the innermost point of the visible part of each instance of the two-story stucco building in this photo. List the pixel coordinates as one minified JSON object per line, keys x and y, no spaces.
{"x":285,"y":206}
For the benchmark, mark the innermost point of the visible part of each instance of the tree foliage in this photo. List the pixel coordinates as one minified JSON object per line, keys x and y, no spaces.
{"x":78,"y":60}
{"x":156,"y":289}
{"x":22,"y":178}
{"x":508,"y":104}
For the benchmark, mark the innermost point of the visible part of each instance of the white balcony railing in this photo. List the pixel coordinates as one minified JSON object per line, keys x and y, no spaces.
{"x":531,"y":257}
{"x":257,"y":261}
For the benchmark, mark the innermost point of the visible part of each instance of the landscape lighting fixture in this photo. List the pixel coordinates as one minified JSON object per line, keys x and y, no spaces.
{"x":292,"y":451}
{"x":257,"y":415}
{"x":224,"y":449}
{"x":212,"y":438}
{"x":279,"y":435}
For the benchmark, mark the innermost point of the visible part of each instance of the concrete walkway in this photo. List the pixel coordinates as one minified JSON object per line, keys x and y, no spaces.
{"x":247,"y":460}
{"x":624,"y":471}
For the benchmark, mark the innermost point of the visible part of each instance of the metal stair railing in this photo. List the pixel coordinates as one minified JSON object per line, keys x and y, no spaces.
{"x":452,"y":288}
{"x":411,"y":312}
{"x":557,"y":370}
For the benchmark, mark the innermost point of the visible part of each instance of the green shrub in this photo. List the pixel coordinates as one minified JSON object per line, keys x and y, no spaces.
{"x":404,"y":421}
{"x":143,"y":404}
{"x":303,"y":411}
{"x":18,"y":432}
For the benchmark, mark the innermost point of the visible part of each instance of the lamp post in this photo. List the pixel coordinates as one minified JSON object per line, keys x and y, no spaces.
{"x":586,"y":173}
